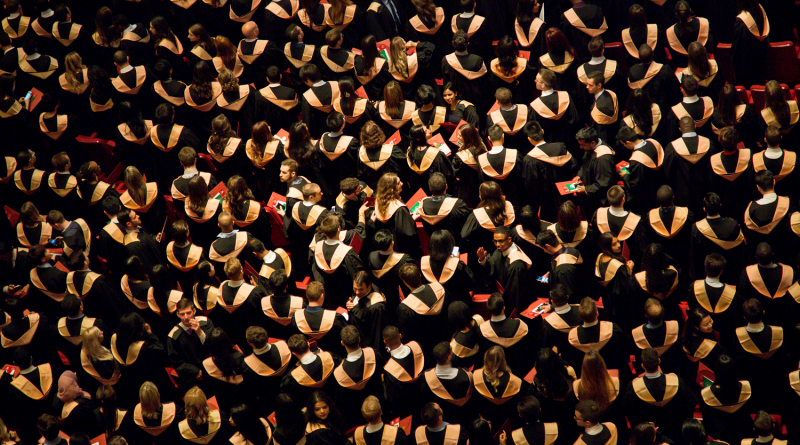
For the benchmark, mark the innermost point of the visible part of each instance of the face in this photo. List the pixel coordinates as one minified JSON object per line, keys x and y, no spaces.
{"x":616,"y":246}
{"x":540,"y":85}
{"x":360,"y":289}
{"x":592,"y":87}
{"x":501,"y":241}
{"x":286,"y":175}
{"x":707,"y":325}
{"x":135,"y":219}
{"x":152,"y":29}
{"x":578,"y":419}
{"x":321,"y":410}
{"x":399,"y":186}
{"x":586,"y":145}
{"x":193,"y":38}
{"x":186,"y":315}
{"x":101,"y":337}
{"x":449,"y":97}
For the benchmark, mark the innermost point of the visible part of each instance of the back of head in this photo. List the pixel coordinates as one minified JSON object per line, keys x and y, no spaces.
{"x":764,"y":254}
{"x":278,"y":281}
{"x":763,"y":424}
{"x":442,"y":353}
{"x":430,"y":414}
{"x":693,"y":432}
{"x":529,"y":409}
{"x":643,"y":434}
{"x":665,"y":196}
{"x":714,"y":264}
{"x":496,"y":304}
{"x":753,"y":311}
{"x":589,"y":410}
{"x":653,"y":311}
{"x":615,"y":196}
{"x":650,"y":360}
{"x":588,"y":310}
{"x":410,"y":274}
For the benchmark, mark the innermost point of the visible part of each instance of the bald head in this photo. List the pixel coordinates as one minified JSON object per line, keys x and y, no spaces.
{"x":250,"y":30}
{"x":687,"y":124}
{"x":225,"y":222}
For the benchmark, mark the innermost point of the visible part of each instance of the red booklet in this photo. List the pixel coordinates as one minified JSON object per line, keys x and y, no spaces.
{"x":568,"y":187}
{"x":415,"y":200}
{"x":454,"y":137}
{"x":276,"y":200}
{"x":535,"y":309}
{"x":438,"y":142}
{"x":220,"y":190}
{"x":362,"y":93}
{"x":624,"y":164}
{"x":283,"y":135}
{"x":394,"y":139}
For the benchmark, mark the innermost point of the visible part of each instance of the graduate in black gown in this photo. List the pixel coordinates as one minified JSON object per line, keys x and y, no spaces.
{"x":442,"y":265}
{"x":186,"y":342}
{"x":467,"y":72}
{"x":321,"y":325}
{"x":402,"y":372}
{"x":643,"y":175}
{"x":751,"y":38}
{"x":368,"y":310}
{"x":555,"y":110}
{"x":357,"y":375}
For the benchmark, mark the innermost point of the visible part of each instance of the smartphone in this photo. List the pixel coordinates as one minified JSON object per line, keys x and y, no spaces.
{"x":369,"y":201}
{"x":280,"y":205}
{"x":54,"y":242}
{"x":540,"y":309}
{"x":28,"y":96}
{"x":543,"y":279}
{"x":455,"y":252}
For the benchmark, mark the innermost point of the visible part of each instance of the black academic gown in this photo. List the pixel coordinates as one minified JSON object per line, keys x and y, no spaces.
{"x":455,"y":394}
{"x":671,"y":227}
{"x":236,"y":310}
{"x":726,"y":410}
{"x":511,"y":272}
{"x":370,"y":316}
{"x":657,"y":80}
{"x":687,"y":170}
{"x":422,"y":163}
{"x":503,"y":165}
{"x":666,"y":399}
{"x":398,"y":221}
{"x":556,"y":327}
{"x":263,"y":372}
{"x":721,"y":235}
{"x":316,"y":104}
{"x":327,"y":268}
{"x":322,"y":325}
{"x":357,"y":378}
{"x":384,"y":268}
{"x":591,"y":21}
{"x":608,"y":338}
{"x":337,"y":156}
{"x":544,"y":166}
{"x":614,"y":282}
{"x":303,"y":379}
{"x":772,"y":286}
{"x":421,"y":313}
{"x":513,"y":335}
{"x":30,"y":394}
{"x":401,"y":381}
{"x":456,"y":277}
{"x":645,"y":176}
{"x":144,"y":360}
{"x":558,"y":115}
{"x":469,"y":75}
{"x":770,"y":223}
{"x":185,"y":351}
{"x":751,"y":39}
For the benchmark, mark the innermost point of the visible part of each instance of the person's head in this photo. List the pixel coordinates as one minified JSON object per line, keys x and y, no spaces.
{"x":763,"y":424}
{"x":480,"y":430}
{"x":460,"y":41}
{"x":312,"y":192}
{"x":441,"y":245}
{"x":587,"y":138}
{"x":294,"y":33}
{"x":712,"y":204}
{"x":689,"y":86}
{"x":330,"y":227}
{"x":714,"y":264}
{"x":431,"y":415}
{"x":545,"y":79}
{"x":495,"y":304}
{"x":753,"y":311}
{"x":442,"y":353}
{"x":615,"y":196}
{"x":437,"y":184}
{"x":350,"y":338}
{"x":26,"y":158}
{"x":650,"y":360}
{"x":298,"y":345}
{"x":588,"y":310}
{"x":279,"y":281}
{"x":559,"y":296}
{"x":410,"y":275}
{"x":56,"y":219}
{"x":334,"y":122}
{"x":699,"y":322}
{"x":77,"y":260}
{"x":587,"y":413}
{"x":534,"y":132}
{"x":185,"y":311}
{"x":646,"y":54}
{"x":315,"y":293}
{"x":595,"y":83}
{"x":150,"y":399}
{"x":362,"y":283}
{"x":196,"y":405}
{"x":320,"y":408}
{"x":773,"y":136}
{"x":71,"y":305}
{"x":529,"y":409}
{"x":596,"y":46}
{"x":643,"y":434}
{"x":371,"y":136}
{"x":233,"y":269}
{"x":120,"y":59}
{"x":180,"y":232}
{"x":504,"y":97}
{"x":225,"y":222}
{"x":48,"y":427}
{"x":371,"y":409}
{"x":391,"y":337}
{"x":728,"y":138}
{"x":765,"y":181}
{"x":548,"y":241}
{"x":187,"y":157}
{"x":165,"y":114}
{"x":333,"y":38}
{"x":30,"y":46}
{"x":459,"y":316}
{"x":627,"y":137}
{"x":389,"y":188}
{"x":310,"y":74}
{"x":502,"y":238}
{"x":569,"y":216}
{"x":653,"y":311}
{"x":288,"y":170}
{"x":81,"y":438}
{"x":496,"y":135}
{"x":693,"y":432}
{"x":256,"y":337}
{"x":425,"y":95}
{"x":665,"y":197}
{"x":557,"y":42}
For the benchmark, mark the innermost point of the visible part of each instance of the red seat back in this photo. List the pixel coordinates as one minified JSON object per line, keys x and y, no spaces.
{"x":616,"y":51}
{"x":722,"y":54}
{"x":782,"y":63}
{"x":758,"y":94}
{"x":103,"y":153}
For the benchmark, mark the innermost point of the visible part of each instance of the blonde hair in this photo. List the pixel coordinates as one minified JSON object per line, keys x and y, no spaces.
{"x":398,"y":59}
{"x":371,"y":409}
{"x":387,"y":192}
{"x":595,"y":382}
{"x":228,"y":81}
{"x":150,"y":400}
{"x":494,"y":365}
{"x":196,"y":405}
{"x":137,"y":188}
{"x":73,"y":70}
{"x":90,"y":343}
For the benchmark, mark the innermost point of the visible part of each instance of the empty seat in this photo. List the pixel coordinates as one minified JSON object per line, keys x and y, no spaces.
{"x":782,"y":63}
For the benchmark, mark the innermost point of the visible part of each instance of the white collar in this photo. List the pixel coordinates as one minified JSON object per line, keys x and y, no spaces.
{"x":562,"y":309}
{"x":510,"y":250}
{"x":251,"y":40}
{"x":274,"y":85}
{"x":334,"y":134}
{"x":263,"y":350}
{"x":773,"y":153}
{"x":654,"y":326}
{"x":33,"y":56}
{"x":547,"y":92}
{"x":764,"y":439}
{"x":594,"y":430}
{"x":617,"y":211}
{"x":28,"y":370}
{"x":235,"y":283}
{"x":438,"y":428}
{"x":467,"y":15}
{"x":597,"y":95}
{"x":640,"y":144}
{"x":461,"y":53}
{"x":332,"y":242}
{"x":126,"y":69}
{"x":229,"y":234}
{"x":496,"y":149}
{"x":509,"y":108}
{"x":370,"y":428}
{"x":597,"y":60}
{"x":768,"y":198}
{"x":355,"y":355}
{"x":713,"y":217}
{"x":47,"y":13}
{"x":270,"y":257}
{"x":402,"y":351}
{"x":755,"y":327}
{"x":130,"y":28}
{"x":319,"y":84}
{"x":690,"y":134}
{"x":190,"y":173}
{"x":309,"y":358}
{"x":387,"y":252}
{"x":308,"y":203}
{"x":589,"y":325}
{"x":540,"y":144}
{"x":691,"y":99}
{"x":447,"y":372}
{"x":497,"y":318}
{"x":652,"y":375}
{"x":714,"y":282}
{"x":13,"y":16}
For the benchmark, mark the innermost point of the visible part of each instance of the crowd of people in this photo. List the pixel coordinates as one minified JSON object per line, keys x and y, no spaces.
{"x":428,"y":222}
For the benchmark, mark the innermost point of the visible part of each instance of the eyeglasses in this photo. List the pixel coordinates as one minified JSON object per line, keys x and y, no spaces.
{"x":499,"y":241}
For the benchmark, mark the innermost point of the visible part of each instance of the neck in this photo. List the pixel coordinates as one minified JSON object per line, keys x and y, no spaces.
{"x":427,"y":107}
